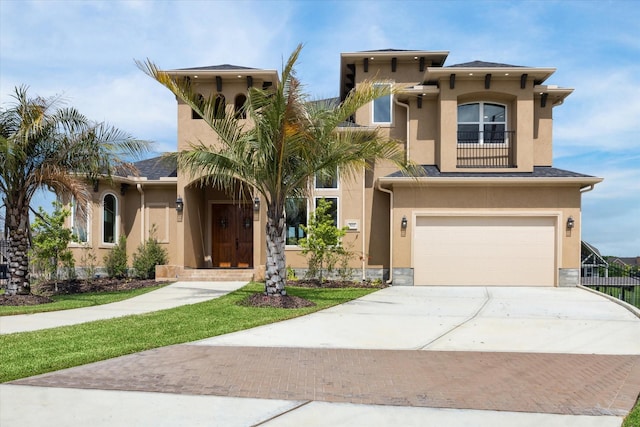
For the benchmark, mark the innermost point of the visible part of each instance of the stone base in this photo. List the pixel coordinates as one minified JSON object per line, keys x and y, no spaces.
{"x":568,"y":277}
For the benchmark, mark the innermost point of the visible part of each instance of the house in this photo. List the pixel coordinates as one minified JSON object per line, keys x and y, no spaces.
{"x":490,"y":208}
{"x":591,"y":262}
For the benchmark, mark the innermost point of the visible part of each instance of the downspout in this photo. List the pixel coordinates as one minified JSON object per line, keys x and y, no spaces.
{"x":384,"y":190}
{"x":589,"y":188}
{"x":364,"y":223}
{"x":139,"y":187}
{"x":406,"y":107}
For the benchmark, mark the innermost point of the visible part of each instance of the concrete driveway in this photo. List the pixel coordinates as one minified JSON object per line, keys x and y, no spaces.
{"x":431,"y":356}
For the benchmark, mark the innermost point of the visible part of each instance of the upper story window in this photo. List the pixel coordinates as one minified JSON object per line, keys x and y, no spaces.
{"x":219,"y":106}
{"x":382,"y":107}
{"x":109,"y":218}
{"x":326,"y":181}
{"x":482,"y":123}
{"x":240,"y":112}
{"x":199,"y":100}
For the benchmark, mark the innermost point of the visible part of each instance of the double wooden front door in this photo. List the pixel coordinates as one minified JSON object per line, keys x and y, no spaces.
{"x":232,"y":237}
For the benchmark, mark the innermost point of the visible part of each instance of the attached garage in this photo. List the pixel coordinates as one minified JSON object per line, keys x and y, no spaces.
{"x":485,"y":250}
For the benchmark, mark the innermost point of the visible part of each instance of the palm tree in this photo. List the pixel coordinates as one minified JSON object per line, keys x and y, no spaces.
{"x":290,"y":140}
{"x":46,"y":146}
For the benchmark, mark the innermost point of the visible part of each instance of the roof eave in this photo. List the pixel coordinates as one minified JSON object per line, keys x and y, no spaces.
{"x":467,"y":181}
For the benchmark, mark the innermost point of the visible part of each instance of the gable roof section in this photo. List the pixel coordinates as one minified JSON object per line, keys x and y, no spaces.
{"x":154,"y":169}
{"x":541,"y":175}
{"x":484,"y":64}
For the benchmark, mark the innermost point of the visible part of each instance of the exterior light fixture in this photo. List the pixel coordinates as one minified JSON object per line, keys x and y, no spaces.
{"x":256,"y":204}
{"x":570,"y":223}
{"x":403,"y":223}
{"x":179,"y":205}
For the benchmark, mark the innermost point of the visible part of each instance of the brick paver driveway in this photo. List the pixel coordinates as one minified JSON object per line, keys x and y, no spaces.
{"x":577,"y":384}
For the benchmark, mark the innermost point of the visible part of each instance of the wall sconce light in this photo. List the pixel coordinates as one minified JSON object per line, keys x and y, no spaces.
{"x":570,"y":223}
{"x":256,"y":204}
{"x":179,"y":205}
{"x":403,"y":223}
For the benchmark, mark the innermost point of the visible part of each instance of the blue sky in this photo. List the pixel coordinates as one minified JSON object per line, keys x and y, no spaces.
{"x":85,"y":50}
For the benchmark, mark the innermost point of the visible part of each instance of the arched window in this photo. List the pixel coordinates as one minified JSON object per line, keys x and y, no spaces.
{"x":239,"y":106}
{"x":199,"y":100}
{"x":80,"y":221}
{"x":482,"y":123}
{"x":109,"y":218}
{"x":219,"y":106}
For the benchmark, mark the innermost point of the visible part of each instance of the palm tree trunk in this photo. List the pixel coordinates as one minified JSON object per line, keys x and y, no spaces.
{"x":276,"y":270}
{"x":18,"y":225}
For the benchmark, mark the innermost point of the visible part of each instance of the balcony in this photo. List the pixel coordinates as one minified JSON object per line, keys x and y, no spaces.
{"x":488,"y":149}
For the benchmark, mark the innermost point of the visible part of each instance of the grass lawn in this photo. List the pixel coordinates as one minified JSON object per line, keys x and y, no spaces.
{"x":66,"y":302}
{"x":633,"y":419}
{"x":31,"y":353}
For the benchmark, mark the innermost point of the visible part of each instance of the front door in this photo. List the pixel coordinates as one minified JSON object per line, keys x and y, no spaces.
{"x":232,"y":236}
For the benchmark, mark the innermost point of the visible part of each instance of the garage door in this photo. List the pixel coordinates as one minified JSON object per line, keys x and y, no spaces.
{"x":484,"y":251}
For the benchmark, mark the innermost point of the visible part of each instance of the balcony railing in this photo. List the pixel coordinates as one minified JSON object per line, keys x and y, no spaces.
{"x":489,"y":149}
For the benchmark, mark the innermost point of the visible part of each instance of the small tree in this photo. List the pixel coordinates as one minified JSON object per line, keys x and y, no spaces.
{"x":116,"y":260}
{"x":323,"y":241}
{"x":51,"y":240}
{"x":149,"y":254}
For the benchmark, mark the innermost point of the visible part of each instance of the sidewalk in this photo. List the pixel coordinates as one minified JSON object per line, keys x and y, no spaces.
{"x":173,"y":295}
{"x":400,"y":356}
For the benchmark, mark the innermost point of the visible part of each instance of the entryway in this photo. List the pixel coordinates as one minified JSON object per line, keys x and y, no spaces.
{"x":232,"y":235}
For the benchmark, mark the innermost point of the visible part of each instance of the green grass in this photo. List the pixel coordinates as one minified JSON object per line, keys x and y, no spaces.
{"x":66,"y":302}
{"x":633,"y":419}
{"x":31,"y":353}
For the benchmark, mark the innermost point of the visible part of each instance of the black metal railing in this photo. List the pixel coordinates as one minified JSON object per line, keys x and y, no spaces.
{"x":489,"y":149}
{"x":620,"y":283}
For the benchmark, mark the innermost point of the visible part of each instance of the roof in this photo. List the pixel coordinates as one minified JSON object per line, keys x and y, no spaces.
{"x":538,"y":172}
{"x":222,"y":67}
{"x":157,"y":167}
{"x":483,"y":64}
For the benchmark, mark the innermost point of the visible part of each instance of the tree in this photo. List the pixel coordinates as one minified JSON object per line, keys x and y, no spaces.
{"x":46,"y":146}
{"x":51,"y":240}
{"x":289,"y":140}
{"x":149,"y":254}
{"x":323,"y":241}
{"x":116,"y":260}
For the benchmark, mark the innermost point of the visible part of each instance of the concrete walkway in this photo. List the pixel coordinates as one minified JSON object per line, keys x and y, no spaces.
{"x":173,"y":295}
{"x":401,"y":356}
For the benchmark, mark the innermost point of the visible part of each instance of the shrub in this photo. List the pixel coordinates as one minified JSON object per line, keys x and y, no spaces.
{"x":148,"y":255}
{"x":116,"y":260}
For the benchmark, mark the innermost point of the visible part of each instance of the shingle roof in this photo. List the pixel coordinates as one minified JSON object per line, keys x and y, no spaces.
{"x":432,"y":171}
{"x":157,"y":167}
{"x":221,"y":67}
{"x":483,"y":64}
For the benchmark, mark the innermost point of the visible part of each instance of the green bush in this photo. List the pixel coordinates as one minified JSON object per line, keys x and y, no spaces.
{"x":116,"y":260}
{"x":149,"y":254}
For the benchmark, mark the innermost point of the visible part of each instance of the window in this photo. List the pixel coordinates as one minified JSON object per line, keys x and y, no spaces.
{"x":333,"y":211}
{"x":295,"y":217}
{"x":239,"y":106}
{"x":79,"y":222}
{"x":324,"y":180}
{"x":382,"y":107}
{"x":219,"y":106}
{"x":109,"y":217}
{"x":199,"y":101}
{"x":482,"y":123}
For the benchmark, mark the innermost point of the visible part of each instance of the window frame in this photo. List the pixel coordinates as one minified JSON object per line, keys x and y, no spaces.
{"x":337,"y":202}
{"x":87,"y":223}
{"x":377,"y":102}
{"x":116,"y":219}
{"x":306,"y":221}
{"x":335,"y":180}
{"x":481,"y":123}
